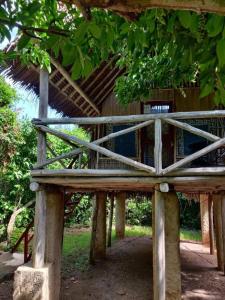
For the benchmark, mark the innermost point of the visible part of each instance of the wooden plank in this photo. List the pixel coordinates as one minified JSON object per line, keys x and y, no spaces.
{"x":194,"y":130}
{"x":132,"y":118}
{"x":74,"y":84}
{"x":96,"y":142}
{"x":194,"y":156}
{"x":158,"y":146}
{"x":94,"y":147}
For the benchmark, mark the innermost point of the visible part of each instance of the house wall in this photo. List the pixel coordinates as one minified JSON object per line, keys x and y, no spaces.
{"x":188,"y":100}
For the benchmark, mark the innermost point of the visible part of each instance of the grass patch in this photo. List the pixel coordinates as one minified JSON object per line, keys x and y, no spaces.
{"x":76,"y":245}
{"x":192,"y":235}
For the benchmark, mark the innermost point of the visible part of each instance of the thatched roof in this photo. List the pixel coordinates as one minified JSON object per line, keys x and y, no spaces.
{"x":80,"y":98}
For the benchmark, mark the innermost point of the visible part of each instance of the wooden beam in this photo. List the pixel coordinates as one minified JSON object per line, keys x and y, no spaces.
{"x":98,"y":75}
{"x":194,"y":130}
{"x":132,"y":118}
{"x":96,"y":142}
{"x":99,"y":149}
{"x":194,"y":156}
{"x":219,"y":172}
{"x":137,"y":6}
{"x":74,"y":84}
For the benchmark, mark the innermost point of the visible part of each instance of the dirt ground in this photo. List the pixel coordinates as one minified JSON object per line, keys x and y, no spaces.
{"x":127,"y":274}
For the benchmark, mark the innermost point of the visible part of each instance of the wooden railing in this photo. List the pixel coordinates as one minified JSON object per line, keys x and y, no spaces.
{"x":140,"y":121}
{"x":26,"y":237}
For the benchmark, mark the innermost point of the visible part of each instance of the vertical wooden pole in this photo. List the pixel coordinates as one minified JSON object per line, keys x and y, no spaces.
{"x":109,"y":242}
{"x":211,"y":226}
{"x":223,"y":229}
{"x":98,"y":245}
{"x":54,"y":239}
{"x":120,"y":214}
{"x":159,"y":264}
{"x":172,"y":246}
{"x":40,"y":207}
{"x":158,"y":146}
{"x":204,"y":210}
{"x":217,"y":208}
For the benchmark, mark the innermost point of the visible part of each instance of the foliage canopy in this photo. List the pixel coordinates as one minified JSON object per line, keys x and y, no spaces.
{"x":182,"y":45}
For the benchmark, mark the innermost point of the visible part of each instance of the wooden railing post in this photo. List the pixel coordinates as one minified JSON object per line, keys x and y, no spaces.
{"x":158,"y":146}
{"x":40,"y":207}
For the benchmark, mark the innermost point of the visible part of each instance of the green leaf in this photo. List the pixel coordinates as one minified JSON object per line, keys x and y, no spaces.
{"x":206,"y":90}
{"x":220,"y":50}
{"x":185,"y":18}
{"x":81,"y":56}
{"x":95,"y":30}
{"x":68,"y":54}
{"x":76,"y":70}
{"x":214,"y":25}
{"x":88,"y":67}
{"x":23,"y":41}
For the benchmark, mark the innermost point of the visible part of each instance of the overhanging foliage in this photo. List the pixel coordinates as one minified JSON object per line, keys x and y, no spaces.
{"x":192,"y":40}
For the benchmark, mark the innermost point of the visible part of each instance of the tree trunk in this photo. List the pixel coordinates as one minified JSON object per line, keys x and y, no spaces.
{"x":12,"y":220}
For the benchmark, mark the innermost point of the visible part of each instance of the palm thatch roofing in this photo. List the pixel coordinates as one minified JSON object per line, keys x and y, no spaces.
{"x":71,"y":98}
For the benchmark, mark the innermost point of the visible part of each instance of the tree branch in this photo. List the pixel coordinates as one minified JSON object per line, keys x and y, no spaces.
{"x":137,"y":6}
{"x":35,"y":29}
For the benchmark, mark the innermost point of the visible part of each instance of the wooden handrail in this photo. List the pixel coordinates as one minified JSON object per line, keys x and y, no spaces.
{"x":131,"y":118}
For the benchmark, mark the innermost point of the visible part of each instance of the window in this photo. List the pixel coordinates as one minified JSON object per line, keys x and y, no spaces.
{"x":125,"y":144}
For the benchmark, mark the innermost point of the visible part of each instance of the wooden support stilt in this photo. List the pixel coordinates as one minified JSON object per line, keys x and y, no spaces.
{"x":159,"y":264}
{"x":98,"y":240}
{"x":54,"y":239}
{"x":223,"y":229}
{"x":166,"y":252}
{"x":40,"y":208}
{"x":211,"y":226}
{"x":109,"y":242}
{"x":172,"y":246}
{"x":217,"y":209}
{"x":120,"y":215}
{"x":204,"y":209}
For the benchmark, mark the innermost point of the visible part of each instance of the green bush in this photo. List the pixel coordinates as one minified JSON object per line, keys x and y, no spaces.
{"x":82,"y":213}
{"x":139,"y":212}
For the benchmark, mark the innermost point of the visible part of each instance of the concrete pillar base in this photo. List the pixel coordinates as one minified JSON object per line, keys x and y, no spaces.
{"x":30,"y":283}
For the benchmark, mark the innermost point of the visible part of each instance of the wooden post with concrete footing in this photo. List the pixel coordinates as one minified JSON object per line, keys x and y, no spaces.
{"x":98,"y":241}
{"x":204,"y":211}
{"x":166,"y":253}
{"x":54,"y":239}
{"x":217,"y":212}
{"x":120,"y":214}
{"x":172,"y":245}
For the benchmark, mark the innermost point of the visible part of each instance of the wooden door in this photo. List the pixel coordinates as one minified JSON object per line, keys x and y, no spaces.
{"x":147,"y":139}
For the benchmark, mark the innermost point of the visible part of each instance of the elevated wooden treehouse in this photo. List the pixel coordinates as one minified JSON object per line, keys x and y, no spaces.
{"x":167,"y":144}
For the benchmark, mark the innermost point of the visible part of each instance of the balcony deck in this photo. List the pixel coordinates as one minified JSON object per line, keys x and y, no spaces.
{"x":139,"y":177}
{"x":90,"y":180}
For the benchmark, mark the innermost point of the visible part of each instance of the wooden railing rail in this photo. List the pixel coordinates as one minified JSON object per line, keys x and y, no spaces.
{"x":140,"y":121}
{"x":131,"y":118}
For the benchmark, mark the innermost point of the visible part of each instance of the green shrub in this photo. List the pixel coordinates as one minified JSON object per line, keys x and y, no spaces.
{"x":139,"y":212}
